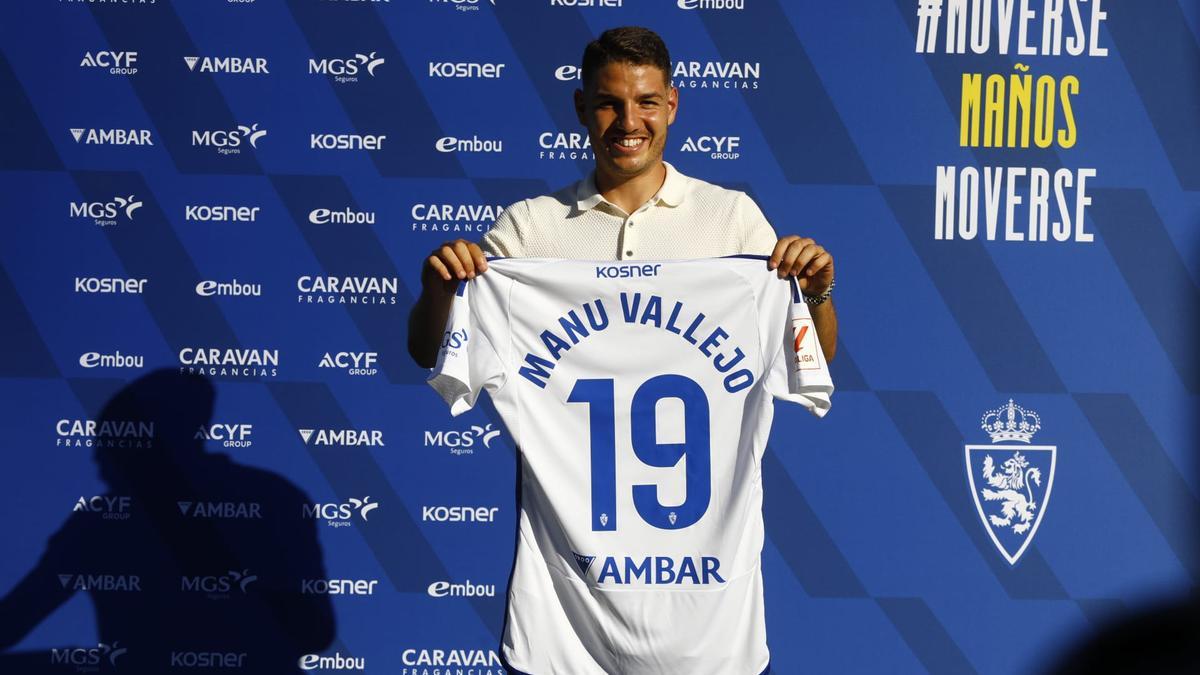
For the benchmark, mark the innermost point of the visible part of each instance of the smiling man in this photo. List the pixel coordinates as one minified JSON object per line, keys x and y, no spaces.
{"x":633,"y":206}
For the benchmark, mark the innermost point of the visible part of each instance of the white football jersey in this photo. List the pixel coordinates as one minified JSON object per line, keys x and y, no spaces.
{"x":640,"y":396}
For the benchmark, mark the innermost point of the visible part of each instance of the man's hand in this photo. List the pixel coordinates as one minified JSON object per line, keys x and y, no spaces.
{"x":804,"y":259}
{"x":445,"y":267}
{"x":454,"y":260}
{"x":812,"y":266}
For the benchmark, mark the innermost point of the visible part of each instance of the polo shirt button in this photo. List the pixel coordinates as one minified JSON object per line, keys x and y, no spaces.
{"x":631,"y":223}
{"x":628,"y":252}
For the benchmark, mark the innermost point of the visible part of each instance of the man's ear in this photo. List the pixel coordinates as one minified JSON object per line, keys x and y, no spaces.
{"x":579,"y":107}
{"x":672,"y":105}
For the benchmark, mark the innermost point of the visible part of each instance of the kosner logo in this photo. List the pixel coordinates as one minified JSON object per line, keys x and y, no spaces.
{"x":338,"y":586}
{"x":91,"y":658}
{"x":346,"y":70}
{"x":346,"y":141}
{"x":109,"y":285}
{"x":220,"y":214}
{"x":106,"y":213}
{"x":459,"y":514}
{"x":116,"y":63}
{"x":228,"y":142}
{"x":449,"y":69}
{"x":340,"y":515}
{"x":461,"y":442}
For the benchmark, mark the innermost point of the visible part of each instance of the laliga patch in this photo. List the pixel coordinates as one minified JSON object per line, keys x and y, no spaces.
{"x":804,"y":344}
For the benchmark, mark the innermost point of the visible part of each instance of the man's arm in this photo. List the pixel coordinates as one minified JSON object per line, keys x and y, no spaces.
{"x":812,"y":266}
{"x":450,"y":263}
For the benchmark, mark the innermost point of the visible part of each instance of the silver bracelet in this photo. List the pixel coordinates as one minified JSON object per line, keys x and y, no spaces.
{"x":813,"y":301}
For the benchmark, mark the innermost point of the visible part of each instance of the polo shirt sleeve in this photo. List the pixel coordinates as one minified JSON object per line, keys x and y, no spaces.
{"x":503,"y":239}
{"x":757,"y":235}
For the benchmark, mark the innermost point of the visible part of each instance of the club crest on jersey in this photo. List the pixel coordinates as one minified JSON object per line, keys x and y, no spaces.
{"x":1011,"y":483}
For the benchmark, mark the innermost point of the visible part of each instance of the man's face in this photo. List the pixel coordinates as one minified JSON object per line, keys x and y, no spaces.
{"x":627,"y":109}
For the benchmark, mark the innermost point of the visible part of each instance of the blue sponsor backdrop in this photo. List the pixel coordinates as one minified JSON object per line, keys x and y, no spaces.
{"x":327,"y":513}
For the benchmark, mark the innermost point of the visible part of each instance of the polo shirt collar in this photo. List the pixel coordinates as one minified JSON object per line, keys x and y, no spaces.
{"x":587,"y":196}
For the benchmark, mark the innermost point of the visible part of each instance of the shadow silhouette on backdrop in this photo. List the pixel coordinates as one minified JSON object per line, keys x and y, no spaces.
{"x":206,"y":572}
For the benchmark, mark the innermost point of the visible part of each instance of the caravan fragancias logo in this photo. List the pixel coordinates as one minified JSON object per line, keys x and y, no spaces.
{"x":1011,"y":480}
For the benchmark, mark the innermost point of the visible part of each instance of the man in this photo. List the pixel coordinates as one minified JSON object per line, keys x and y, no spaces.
{"x":634,"y":205}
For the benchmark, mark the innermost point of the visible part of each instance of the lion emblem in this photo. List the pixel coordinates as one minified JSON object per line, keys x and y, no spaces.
{"x":1012,"y":487}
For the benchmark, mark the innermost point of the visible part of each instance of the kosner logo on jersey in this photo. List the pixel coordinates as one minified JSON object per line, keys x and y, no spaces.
{"x":462,"y":442}
{"x":116,"y":63}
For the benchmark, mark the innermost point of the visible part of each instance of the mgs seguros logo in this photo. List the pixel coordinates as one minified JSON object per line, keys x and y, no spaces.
{"x":116,"y":210}
{"x":346,"y":70}
{"x":463,"y":5}
{"x":228,"y":141}
{"x":462,"y":442}
{"x":341,"y":514}
{"x":101,"y":658}
{"x":1011,"y":479}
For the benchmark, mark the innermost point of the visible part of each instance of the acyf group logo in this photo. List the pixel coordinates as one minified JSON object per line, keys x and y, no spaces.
{"x":1011,"y":483}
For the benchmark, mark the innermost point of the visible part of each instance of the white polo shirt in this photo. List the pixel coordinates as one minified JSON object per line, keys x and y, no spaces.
{"x":687,"y":218}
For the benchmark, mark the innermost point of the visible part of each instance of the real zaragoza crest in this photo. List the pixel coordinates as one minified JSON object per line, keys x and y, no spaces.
{"x":1011,"y":483}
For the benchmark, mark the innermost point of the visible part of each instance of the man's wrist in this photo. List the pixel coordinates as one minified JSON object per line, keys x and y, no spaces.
{"x":814,"y":300}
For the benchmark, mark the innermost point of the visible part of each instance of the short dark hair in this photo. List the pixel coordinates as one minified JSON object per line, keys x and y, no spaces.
{"x":627,"y":44}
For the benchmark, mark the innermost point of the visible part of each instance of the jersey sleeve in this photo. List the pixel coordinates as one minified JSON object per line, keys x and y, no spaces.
{"x":468,"y":361}
{"x":797,"y":371}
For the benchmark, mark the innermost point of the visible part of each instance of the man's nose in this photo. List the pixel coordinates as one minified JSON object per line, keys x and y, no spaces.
{"x":627,"y":118}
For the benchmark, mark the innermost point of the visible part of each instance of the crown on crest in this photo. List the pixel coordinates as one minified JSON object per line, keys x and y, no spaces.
{"x":1011,"y":422}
